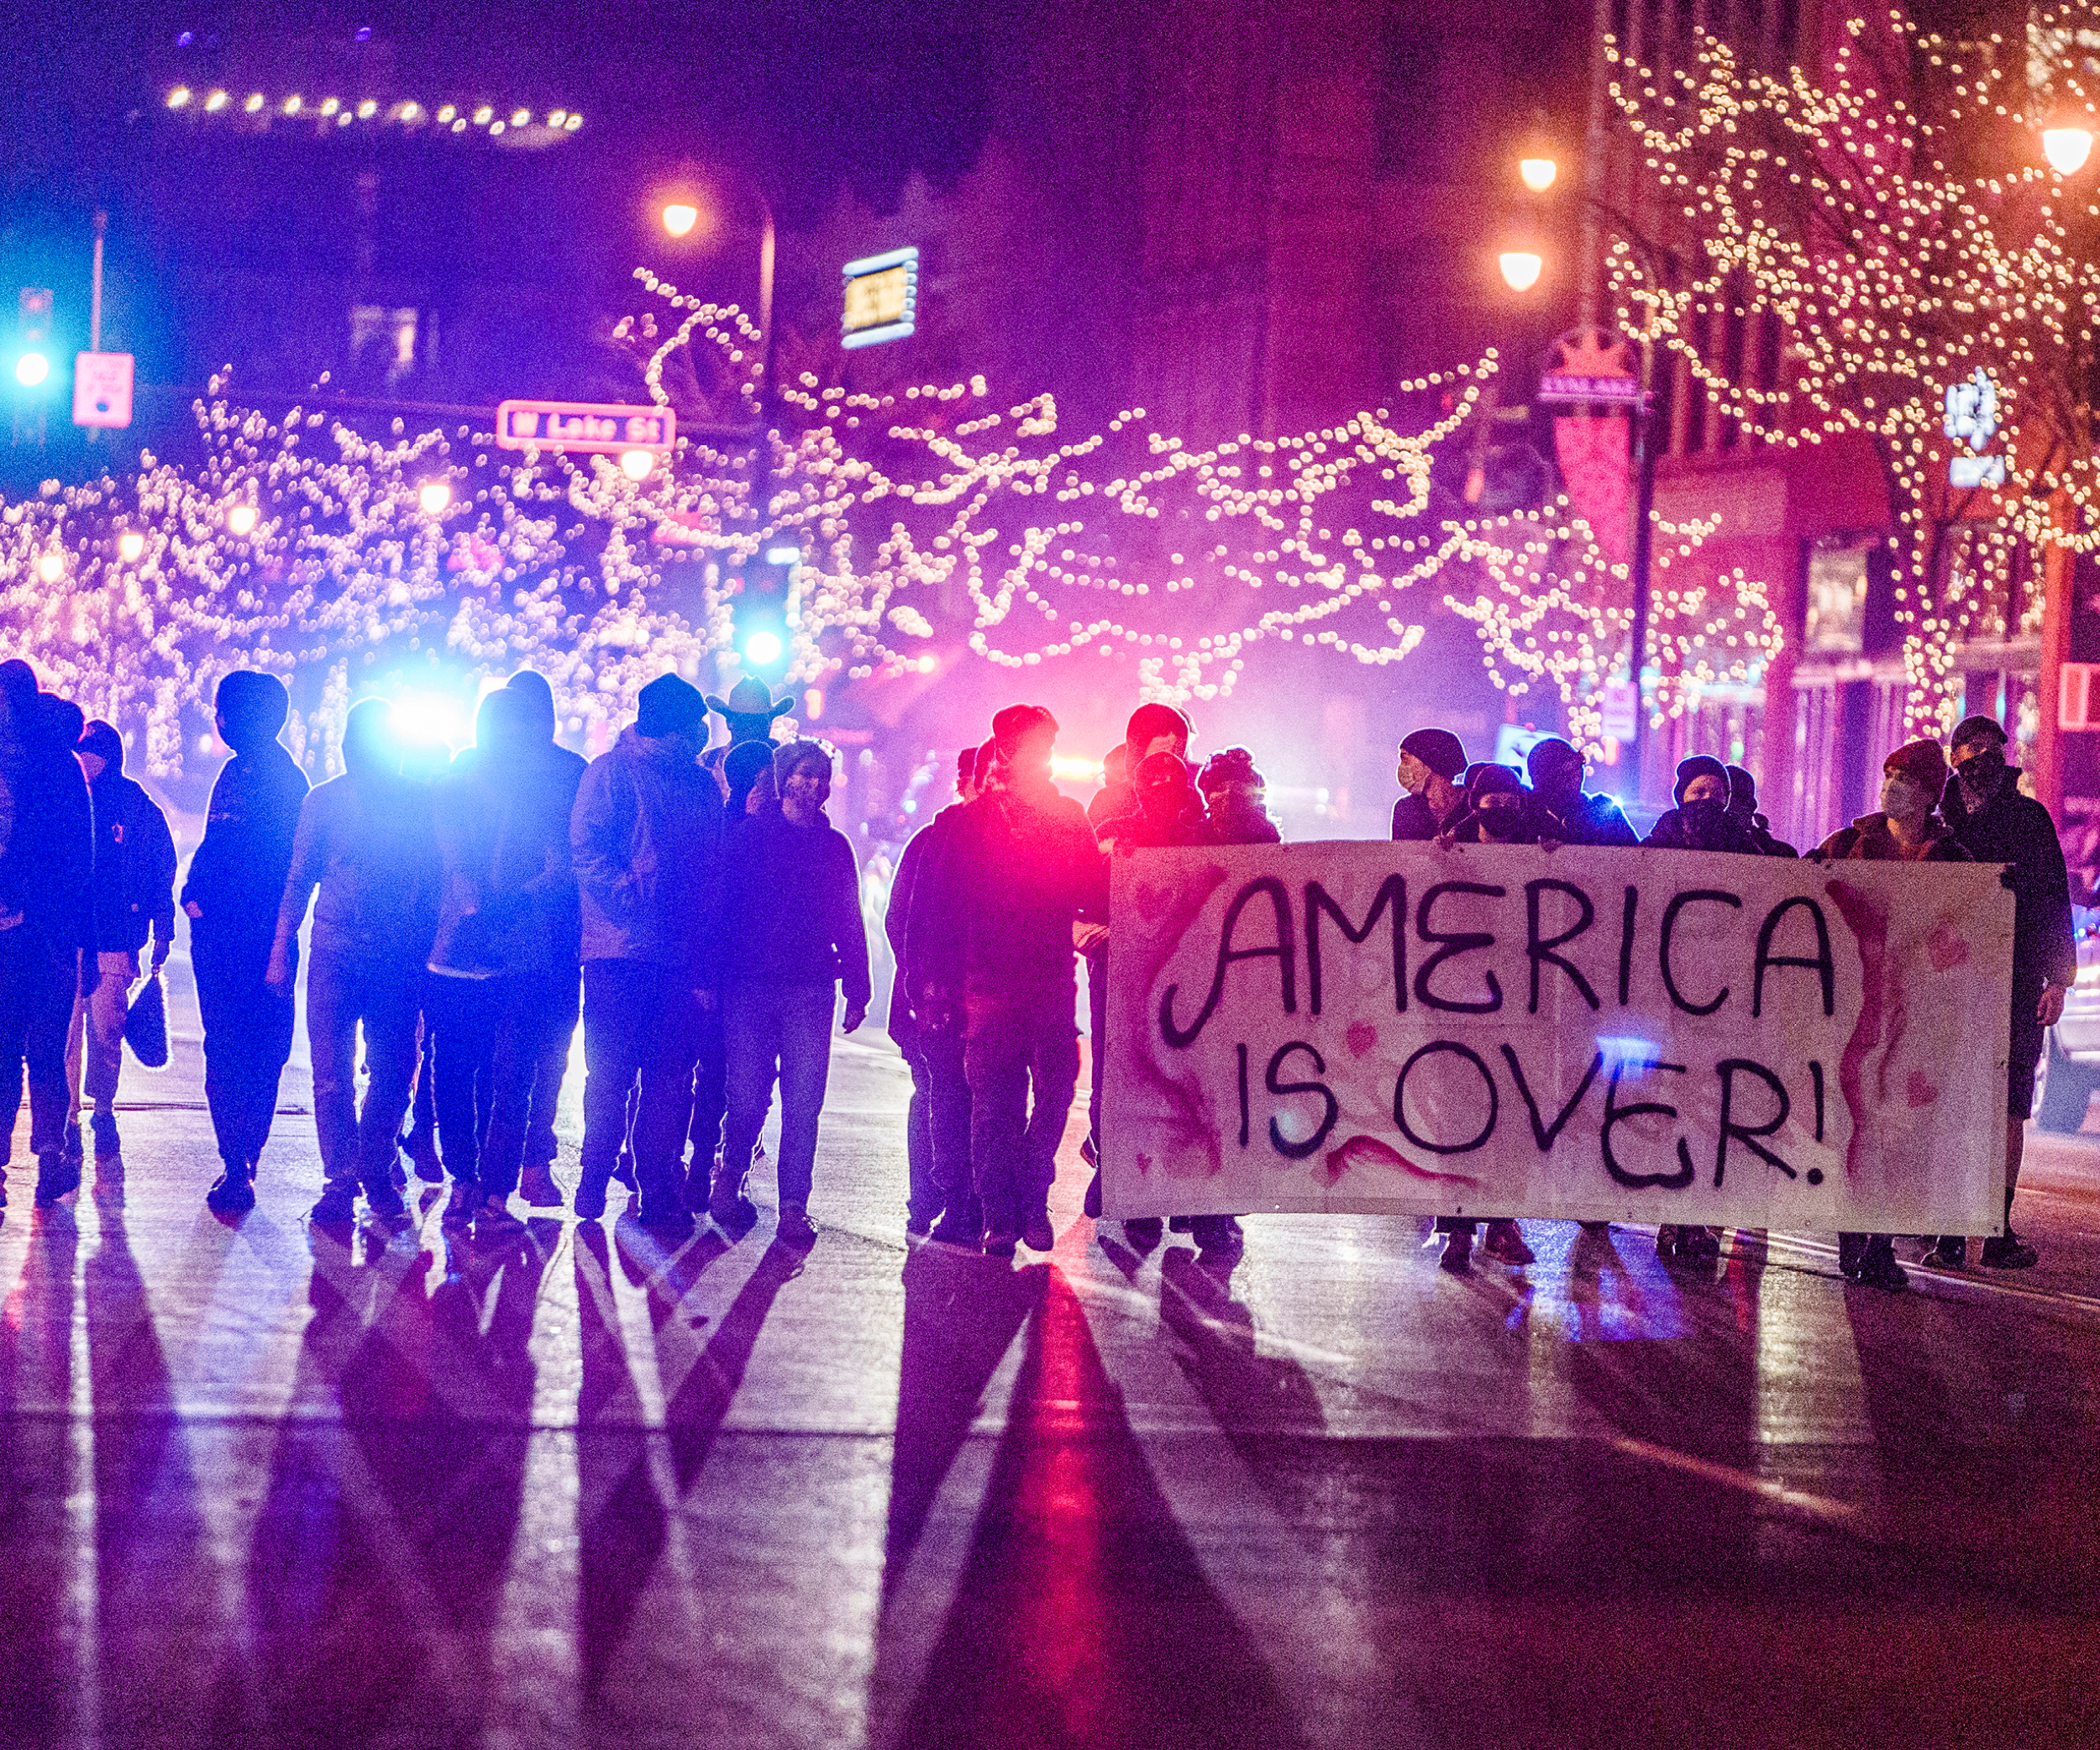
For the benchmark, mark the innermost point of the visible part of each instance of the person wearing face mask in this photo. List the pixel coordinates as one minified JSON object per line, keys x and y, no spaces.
{"x":1742,"y":809}
{"x":1563,"y":813}
{"x":791,"y":938}
{"x":1153,"y":729}
{"x":1432,"y":764}
{"x":1995,"y":823}
{"x":1701,"y":821}
{"x":1906,"y":830}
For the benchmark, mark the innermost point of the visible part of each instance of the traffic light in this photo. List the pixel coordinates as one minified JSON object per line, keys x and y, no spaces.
{"x":763,"y":609}
{"x":32,"y":352}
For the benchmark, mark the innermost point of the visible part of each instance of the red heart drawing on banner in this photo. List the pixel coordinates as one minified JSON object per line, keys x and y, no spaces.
{"x":1946,"y":948}
{"x":1144,"y":1163}
{"x":1921,"y":1091}
{"x":1362,"y":1036}
{"x":1152,"y":902}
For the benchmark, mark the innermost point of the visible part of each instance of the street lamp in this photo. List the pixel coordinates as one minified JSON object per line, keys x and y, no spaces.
{"x":2067,"y":149}
{"x":679,"y":217}
{"x":1537,"y":173}
{"x":1521,"y":268}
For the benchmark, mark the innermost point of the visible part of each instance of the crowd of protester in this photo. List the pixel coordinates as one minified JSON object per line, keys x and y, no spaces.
{"x":697,"y":913}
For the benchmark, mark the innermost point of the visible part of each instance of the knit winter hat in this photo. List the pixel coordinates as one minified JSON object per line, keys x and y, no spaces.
{"x":102,"y":740}
{"x":1923,"y":764}
{"x":669,"y":704}
{"x":1975,"y":728}
{"x":1742,"y":791}
{"x":1553,"y":755}
{"x":1153,"y":720}
{"x":1700,"y":766}
{"x":1227,"y":767}
{"x":1438,"y":750}
{"x":1489,"y":780}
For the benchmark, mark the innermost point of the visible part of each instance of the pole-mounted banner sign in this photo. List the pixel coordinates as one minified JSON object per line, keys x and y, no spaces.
{"x":585,"y":427}
{"x":1643,"y":1036}
{"x":1590,"y":364}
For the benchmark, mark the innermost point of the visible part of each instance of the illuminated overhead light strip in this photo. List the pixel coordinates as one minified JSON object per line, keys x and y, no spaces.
{"x":404,"y":113}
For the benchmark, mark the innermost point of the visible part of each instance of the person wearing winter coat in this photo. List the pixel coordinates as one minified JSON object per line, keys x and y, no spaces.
{"x":1233,"y":794}
{"x":502,"y":956}
{"x":1560,"y":811}
{"x":46,"y":915}
{"x":1701,"y":821}
{"x":364,"y":840}
{"x":1906,"y":829}
{"x":645,"y":839}
{"x":1153,"y":728}
{"x":936,"y":1128}
{"x":135,"y":899}
{"x":996,"y":914}
{"x":1742,"y":808}
{"x":1995,"y":823}
{"x":1431,"y":771}
{"x":232,"y":895}
{"x":792,"y":938}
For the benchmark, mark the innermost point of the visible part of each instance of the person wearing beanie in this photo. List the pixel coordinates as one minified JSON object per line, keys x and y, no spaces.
{"x":1701,"y":821}
{"x":792,"y":938}
{"x":365,"y":840}
{"x":645,"y":839}
{"x":749,"y":710}
{"x":134,"y":898}
{"x":1995,"y":823}
{"x":1498,"y":809}
{"x":1563,"y":813}
{"x":231,"y":896}
{"x":1233,"y":792}
{"x":1153,"y":729}
{"x":560,"y":769}
{"x":1431,"y":771}
{"x":1742,"y":809}
{"x":995,"y":911}
{"x":46,"y":917}
{"x":936,"y":1128}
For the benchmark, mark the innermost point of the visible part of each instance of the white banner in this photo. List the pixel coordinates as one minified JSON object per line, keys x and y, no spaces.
{"x":1634,"y":1035}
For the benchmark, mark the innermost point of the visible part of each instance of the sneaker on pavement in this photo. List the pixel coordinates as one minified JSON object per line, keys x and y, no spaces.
{"x":794,"y":1227}
{"x":1878,"y":1269}
{"x":1456,"y":1256}
{"x":1216,"y":1234}
{"x":102,"y":1127}
{"x":1037,"y":1234}
{"x":384,"y":1200}
{"x":730,"y":1209}
{"x":1504,"y":1242}
{"x":538,"y":1188}
{"x":957,"y":1230}
{"x":1950,"y":1252}
{"x":338,"y":1207}
{"x":590,"y":1191}
{"x":460,"y":1205}
{"x":2005,"y":1251}
{"x":56,"y":1174}
{"x":232,"y":1193}
{"x":669,"y":1224}
{"x":1144,"y":1231}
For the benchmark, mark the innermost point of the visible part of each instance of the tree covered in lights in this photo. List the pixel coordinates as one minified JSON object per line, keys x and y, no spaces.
{"x":1855,"y":244}
{"x":927,"y":519}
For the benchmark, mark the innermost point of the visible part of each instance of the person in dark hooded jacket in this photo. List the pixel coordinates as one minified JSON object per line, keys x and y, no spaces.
{"x":1701,"y":821}
{"x":1432,"y":772}
{"x":235,"y":886}
{"x":1742,"y":808}
{"x":1233,"y":792}
{"x":134,"y":899}
{"x":1995,"y":823}
{"x":46,"y":914}
{"x":1153,"y":728}
{"x":1560,"y":810}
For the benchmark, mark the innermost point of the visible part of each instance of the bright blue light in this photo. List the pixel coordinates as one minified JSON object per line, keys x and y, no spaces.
{"x":761,"y":649}
{"x":31,"y":369}
{"x":1628,"y":1050}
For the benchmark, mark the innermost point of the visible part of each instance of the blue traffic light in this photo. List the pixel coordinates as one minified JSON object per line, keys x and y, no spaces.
{"x":31,"y":369}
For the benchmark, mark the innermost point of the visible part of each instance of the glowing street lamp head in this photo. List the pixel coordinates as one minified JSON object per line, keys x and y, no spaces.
{"x":1521,"y":268}
{"x":763,"y":647}
{"x":31,"y":369}
{"x":130,"y":545}
{"x":241,"y":519}
{"x":1537,"y":173}
{"x":51,"y":567}
{"x":679,"y":217}
{"x":2067,"y":149}
{"x":435,"y":496}
{"x":637,"y":464}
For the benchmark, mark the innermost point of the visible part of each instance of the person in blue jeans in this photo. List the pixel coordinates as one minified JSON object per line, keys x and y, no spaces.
{"x":791,"y":935}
